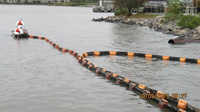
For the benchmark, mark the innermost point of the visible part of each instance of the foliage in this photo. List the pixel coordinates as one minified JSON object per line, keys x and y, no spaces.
{"x":121,"y":12}
{"x":175,"y":11}
{"x":175,"y":7}
{"x":189,"y":21}
{"x":128,"y":4}
{"x":171,"y":17}
{"x":84,"y":0}
{"x":144,"y":15}
{"x":124,"y":12}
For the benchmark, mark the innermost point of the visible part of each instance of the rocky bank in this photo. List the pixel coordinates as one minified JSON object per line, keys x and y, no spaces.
{"x":157,"y":25}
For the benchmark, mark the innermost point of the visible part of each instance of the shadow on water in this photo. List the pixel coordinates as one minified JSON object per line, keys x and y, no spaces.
{"x":19,"y":38}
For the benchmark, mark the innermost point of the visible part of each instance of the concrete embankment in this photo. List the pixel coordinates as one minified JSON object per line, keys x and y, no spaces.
{"x":157,"y":25}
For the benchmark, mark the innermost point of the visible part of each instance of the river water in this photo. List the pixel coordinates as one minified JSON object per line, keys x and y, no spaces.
{"x":37,"y":78}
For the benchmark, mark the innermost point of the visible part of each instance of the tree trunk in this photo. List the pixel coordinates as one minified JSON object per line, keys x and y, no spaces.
{"x":129,"y":11}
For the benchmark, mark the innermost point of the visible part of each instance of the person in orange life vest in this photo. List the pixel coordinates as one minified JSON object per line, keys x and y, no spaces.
{"x":18,"y":30}
{"x":20,"y":23}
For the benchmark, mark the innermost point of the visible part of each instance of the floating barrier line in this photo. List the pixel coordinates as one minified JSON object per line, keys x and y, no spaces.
{"x":164,"y":100}
{"x":119,"y":53}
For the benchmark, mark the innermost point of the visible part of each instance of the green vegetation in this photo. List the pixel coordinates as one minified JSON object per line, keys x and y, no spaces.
{"x":129,"y":5}
{"x":189,"y":21}
{"x":125,"y":7}
{"x":124,"y":12}
{"x":121,"y":12}
{"x":144,"y":15}
{"x":175,"y":11}
{"x":84,"y":0}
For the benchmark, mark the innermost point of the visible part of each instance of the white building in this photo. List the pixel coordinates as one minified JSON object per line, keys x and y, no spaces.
{"x":187,"y":2}
{"x":59,"y":1}
{"x":106,"y":2}
{"x":156,"y":3}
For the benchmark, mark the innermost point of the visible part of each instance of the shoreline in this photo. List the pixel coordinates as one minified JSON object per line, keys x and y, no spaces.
{"x":46,"y":4}
{"x":156,"y":24}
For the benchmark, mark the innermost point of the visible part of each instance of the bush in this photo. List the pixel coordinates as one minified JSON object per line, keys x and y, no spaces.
{"x":189,"y":21}
{"x":118,"y":12}
{"x":174,"y":12}
{"x":121,"y":12}
{"x":144,"y":15}
{"x":171,"y":17}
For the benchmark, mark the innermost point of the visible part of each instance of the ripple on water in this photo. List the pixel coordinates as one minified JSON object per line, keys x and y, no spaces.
{"x":37,"y":77}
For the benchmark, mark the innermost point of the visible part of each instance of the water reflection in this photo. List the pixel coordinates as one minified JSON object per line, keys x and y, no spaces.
{"x":54,"y":81}
{"x":157,"y":74}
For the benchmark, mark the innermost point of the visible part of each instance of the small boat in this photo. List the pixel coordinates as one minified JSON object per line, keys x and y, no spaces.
{"x":21,"y":35}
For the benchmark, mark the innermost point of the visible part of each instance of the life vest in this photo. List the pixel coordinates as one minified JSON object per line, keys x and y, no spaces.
{"x":17,"y":30}
{"x":19,"y":23}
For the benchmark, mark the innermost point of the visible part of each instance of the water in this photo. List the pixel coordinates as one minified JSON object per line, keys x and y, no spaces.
{"x":36,"y":77}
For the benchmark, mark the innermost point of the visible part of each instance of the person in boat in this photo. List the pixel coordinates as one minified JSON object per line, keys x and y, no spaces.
{"x":18,"y":30}
{"x":20,"y":23}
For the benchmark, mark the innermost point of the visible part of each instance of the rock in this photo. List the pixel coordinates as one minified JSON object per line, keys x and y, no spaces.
{"x":158,"y":29}
{"x":196,"y":36}
{"x":166,"y":31}
{"x":126,"y":21}
{"x":177,"y":27}
{"x":194,"y":31}
{"x":189,"y":35}
{"x":198,"y":29}
{"x":183,"y":32}
{"x":167,"y":28}
{"x":159,"y":18}
{"x":98,"y":19}
{"x":141,"y":23}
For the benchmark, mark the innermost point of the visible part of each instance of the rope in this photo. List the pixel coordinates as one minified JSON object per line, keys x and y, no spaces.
{"x":163,"y":99}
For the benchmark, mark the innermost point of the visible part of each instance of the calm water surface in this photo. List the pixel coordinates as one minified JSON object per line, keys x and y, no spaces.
{"x":37,"y":78}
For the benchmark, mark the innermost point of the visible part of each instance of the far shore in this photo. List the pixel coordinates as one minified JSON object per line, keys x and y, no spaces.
{"x":155,"y":22}
{"x":55,"y":4}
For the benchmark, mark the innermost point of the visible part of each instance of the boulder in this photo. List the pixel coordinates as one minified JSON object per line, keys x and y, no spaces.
{"x":159,"y":18}
{"x":196,"y":36}
{"x":198,"y":29}
{"x":126,"y":21}
{"x":194,"y":31}
{"x":141,"y":23}
{"x":183,"y":32}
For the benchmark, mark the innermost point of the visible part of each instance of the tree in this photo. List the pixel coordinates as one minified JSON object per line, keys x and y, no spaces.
{"x":175,"y":11}
{"x":128,"y":4}
{"x":175,"y":7}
